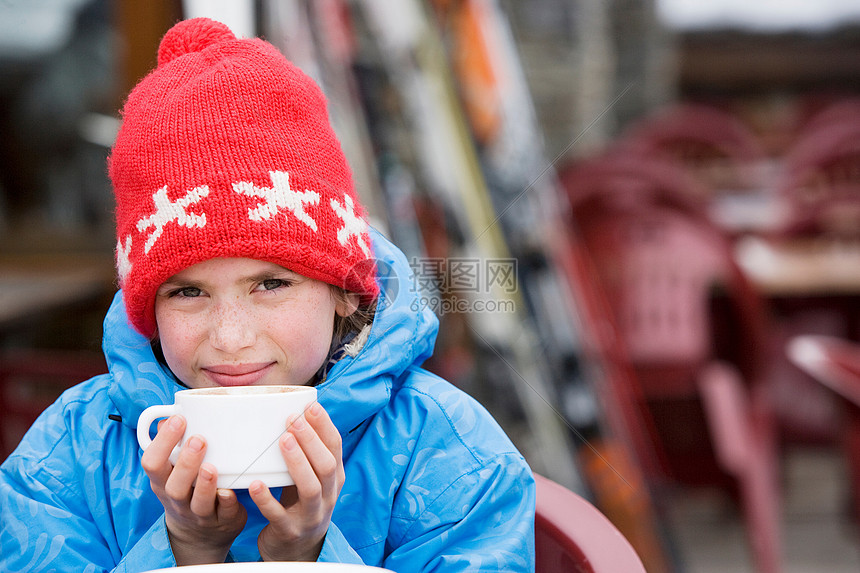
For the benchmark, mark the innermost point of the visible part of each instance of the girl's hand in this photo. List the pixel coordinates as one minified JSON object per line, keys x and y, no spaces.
{"x":298,"y":522}
{"x":202,"y":521}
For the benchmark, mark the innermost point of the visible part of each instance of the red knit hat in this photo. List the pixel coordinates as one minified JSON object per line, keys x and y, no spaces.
{"x":226,"y":150}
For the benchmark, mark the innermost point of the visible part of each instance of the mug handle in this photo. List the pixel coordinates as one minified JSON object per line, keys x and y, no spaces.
{"x":147,"y":417}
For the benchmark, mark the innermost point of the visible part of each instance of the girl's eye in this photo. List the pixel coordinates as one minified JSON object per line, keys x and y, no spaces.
{"x":272,"y":284}
{"x":187,"y":292}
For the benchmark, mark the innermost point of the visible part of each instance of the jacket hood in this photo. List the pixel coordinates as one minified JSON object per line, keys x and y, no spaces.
{"x":402,"y":336}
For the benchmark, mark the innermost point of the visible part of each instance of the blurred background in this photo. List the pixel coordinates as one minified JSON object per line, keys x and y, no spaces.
{"x":638,"y":221}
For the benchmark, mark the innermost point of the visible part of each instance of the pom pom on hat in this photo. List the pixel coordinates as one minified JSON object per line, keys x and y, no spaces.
{"x":192,"y":36}
{"x":226,"y":150}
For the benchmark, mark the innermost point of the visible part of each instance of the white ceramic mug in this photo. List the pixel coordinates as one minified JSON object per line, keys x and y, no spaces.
{"x":241,"y":425}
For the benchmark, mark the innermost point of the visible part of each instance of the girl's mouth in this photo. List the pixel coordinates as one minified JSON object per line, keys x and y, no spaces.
{"x":237,"y":374}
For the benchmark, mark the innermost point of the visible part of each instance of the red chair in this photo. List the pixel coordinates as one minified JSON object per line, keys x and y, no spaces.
{"x":712,"y":144}
{"x":30,"y":380}
{"x":835,"y":362}
{"x":821,"y":182}
{"x":571,"y":535}
{"x":831,"y":115}
{"x":700,"y":398}
{"x":620,"y":180}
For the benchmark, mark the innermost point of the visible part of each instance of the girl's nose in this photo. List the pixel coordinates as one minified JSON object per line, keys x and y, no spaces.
{"x":232,"y":328}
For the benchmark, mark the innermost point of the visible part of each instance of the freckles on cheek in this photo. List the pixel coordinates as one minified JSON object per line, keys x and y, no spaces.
{"x":176,"y":341}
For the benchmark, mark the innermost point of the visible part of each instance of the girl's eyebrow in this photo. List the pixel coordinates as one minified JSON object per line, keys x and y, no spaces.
{"x":180,"y":279}
{"x":273,"y":273}
{"x":174,"y":282}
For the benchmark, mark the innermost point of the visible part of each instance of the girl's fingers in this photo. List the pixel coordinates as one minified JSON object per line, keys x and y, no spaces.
{"x":228,"y":506}
{"x":185,"y":472}
{"x":270,"y":507}
{"x":322,"y":454}
{"x":307,"y":482}
{"x":203,"y":499}
{"x":311,"y":464}
{"x":210,"y":501}
{"x":319,"y":419}
{"x":156,"y":458}
{"x":330,"y":436}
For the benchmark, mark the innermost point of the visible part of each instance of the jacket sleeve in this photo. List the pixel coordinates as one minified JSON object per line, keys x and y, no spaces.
{"x":483,"y":522}
{"x":336,"y":548}
{"x":152,"y":551}
{"x":44,"y":526}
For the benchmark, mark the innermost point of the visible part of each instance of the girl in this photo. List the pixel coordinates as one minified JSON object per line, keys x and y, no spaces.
{"x":244,"y":258}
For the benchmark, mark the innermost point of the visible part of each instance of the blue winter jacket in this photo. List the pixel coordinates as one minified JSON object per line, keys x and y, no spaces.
{"x":432,"y":482}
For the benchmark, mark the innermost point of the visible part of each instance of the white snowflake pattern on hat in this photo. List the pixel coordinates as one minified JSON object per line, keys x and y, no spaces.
{"x":279,"y":196}
{"x":123,"y":263}
{"x":167,"y":211}
{"x":353,"y":225}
